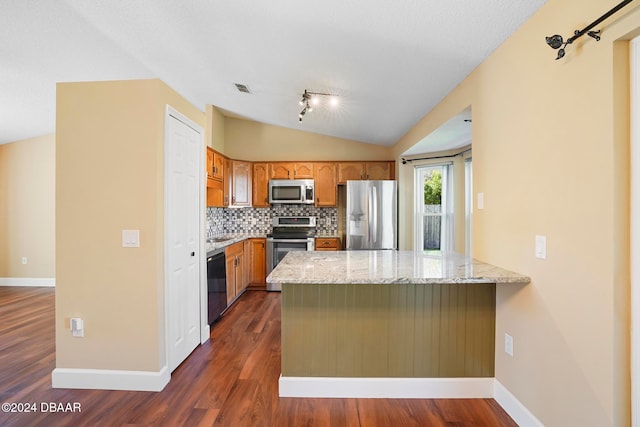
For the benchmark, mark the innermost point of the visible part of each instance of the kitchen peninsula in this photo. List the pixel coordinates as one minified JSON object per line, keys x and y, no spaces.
{"x":388,"y":324}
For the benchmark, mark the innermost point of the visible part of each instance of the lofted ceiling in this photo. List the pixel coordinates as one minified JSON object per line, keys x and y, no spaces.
{"x":390,"y":62}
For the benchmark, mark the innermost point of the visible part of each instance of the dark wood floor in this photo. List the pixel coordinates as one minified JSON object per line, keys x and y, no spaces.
{"x":232,"y":380}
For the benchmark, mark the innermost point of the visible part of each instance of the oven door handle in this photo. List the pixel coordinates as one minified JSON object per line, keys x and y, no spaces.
{"x":271,"y":239}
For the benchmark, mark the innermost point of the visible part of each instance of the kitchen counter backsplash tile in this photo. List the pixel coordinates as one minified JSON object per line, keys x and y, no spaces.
{"x":258,"y":220}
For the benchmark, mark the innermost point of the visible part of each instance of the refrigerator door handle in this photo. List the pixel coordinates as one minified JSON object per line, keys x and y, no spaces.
{"x":374,"y":214}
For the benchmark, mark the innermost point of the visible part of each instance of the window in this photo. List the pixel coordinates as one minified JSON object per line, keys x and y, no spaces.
{"x":434,"y":208}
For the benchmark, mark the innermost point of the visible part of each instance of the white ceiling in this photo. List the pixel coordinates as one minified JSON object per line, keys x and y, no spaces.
{"x":390,"y":62}
{"x":454,"y":133}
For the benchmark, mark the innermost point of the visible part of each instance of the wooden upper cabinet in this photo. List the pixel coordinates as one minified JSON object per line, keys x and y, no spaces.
{"x":209,"y":164}
{"x":226,"y":182}
{"x":261,"y":185}
{"x":240,"y":183}
{"x":218,"y":166}
{"x":303,"y":170}
{"x":282,"y":170}
{"x":380,"y":170}
{"x":350,"y":171}
{"x":217,"y":179}
{"x":325,"y":176}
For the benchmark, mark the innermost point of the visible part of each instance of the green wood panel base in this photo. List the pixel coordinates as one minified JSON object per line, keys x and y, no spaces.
{"x":403,"y":330}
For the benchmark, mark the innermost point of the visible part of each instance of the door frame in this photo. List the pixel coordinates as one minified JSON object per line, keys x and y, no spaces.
{"x":204,"y":325}
{"x":634,"y":215}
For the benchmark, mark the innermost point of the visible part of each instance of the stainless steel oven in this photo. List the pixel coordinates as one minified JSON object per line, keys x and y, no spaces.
{"x":289,"y":234}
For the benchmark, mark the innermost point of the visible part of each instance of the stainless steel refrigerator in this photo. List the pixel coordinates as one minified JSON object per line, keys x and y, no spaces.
{"x":372,"y":215}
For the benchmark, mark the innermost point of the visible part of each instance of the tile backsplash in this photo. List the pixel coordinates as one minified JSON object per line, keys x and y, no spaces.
{"x":258,"y":220}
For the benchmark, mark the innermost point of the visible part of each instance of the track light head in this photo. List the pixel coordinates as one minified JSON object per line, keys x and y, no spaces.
{"x":312,"y":99}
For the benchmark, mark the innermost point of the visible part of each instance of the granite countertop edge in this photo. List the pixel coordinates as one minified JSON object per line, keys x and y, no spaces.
{"x":230,"y":239}
{"x":388,"y":267}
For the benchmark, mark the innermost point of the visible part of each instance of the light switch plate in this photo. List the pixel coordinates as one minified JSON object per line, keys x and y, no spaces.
{"x":541,"y":247}
{"x":480,"y":200}
{"x":77,"y":327}
{"x":130,"y":238}
{"x":508,"y":344}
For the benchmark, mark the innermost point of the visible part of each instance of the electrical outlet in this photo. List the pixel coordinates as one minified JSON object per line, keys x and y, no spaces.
{"x":508,"y":344}
{"x":24,"y":260}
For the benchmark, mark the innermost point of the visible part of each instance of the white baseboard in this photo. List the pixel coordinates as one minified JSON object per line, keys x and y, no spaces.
{"x":512,"y":406}
{"x":25,"y":281}
{"x":387,"y":388}
{"x":103,"y":379}
{"x":409,"y":388}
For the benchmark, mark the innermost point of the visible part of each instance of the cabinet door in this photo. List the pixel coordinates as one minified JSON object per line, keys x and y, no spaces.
{"x":280,"y":171}
{"x":218,"y":166}
{"x":209,"y":164}
{"x":230,"y":262}
{"x":257,"y":262}
{"x":240,"y":275}
{"x":260,"y":185}
{"x":246,"y":263}
{"x":215,"y":193}
{"x":303,"y":170}
{"x":325,"y":184}
{"x":241,"y":183}
{"x":379,"y":170}
{"x":226,"y":182}
{"x":350,"y":172}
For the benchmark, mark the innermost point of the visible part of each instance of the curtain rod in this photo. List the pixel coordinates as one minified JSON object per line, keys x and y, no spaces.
{"x":405,"y":161}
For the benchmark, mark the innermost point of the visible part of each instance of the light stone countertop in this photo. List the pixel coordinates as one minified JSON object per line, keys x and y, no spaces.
{"x":230,"y":239}
{"x":387,"y":267}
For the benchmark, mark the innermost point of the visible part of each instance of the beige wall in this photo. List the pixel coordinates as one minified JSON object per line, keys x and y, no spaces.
{"x":27,"y":207}
{"x":109,"y":177}
{"x":253,"y":141}
{"x":214,"y":128}
{"x":550,"y":153}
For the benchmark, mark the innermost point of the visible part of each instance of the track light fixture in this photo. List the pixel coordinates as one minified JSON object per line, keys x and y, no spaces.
{"x":556,"y":41}
{"x":309,"y":99}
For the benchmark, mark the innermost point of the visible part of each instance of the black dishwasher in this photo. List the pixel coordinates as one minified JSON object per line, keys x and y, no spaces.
{"x":216,"y":284}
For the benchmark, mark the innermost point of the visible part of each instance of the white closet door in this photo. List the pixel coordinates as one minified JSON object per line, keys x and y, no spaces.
{"x":182,"y":167}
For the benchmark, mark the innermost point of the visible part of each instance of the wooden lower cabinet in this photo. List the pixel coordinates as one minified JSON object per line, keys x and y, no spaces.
{"x":234,"y":257}
{"x":246,"y":264}
{"x":257,"y":261}
{"x":327,"y":243}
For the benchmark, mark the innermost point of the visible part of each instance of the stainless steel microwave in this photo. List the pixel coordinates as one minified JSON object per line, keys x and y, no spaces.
{"x":294,"y":191}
